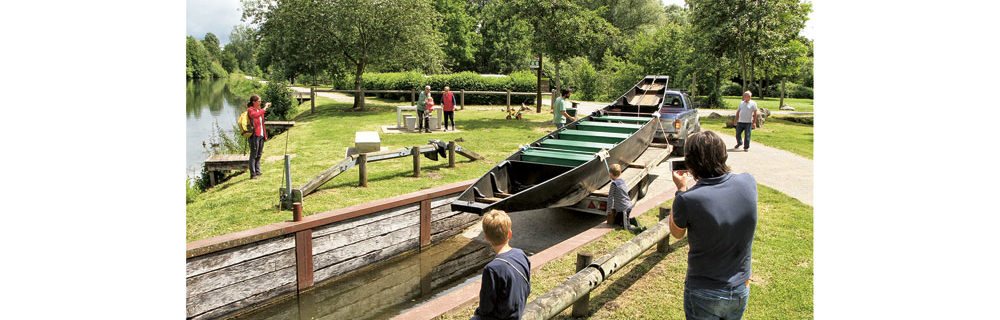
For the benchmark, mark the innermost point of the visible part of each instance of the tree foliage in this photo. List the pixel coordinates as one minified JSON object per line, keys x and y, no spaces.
{"x":460,"y":39}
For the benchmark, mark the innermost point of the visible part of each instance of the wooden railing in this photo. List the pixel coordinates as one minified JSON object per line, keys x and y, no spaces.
{"x":413,"y":95}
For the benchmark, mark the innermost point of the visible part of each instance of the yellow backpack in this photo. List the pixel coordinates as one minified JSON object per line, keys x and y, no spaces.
{"x":246,"y":126}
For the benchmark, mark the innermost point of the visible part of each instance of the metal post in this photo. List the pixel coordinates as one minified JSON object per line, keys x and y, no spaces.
{"x":288,"y":175}
{"x":581,"y":307}
{"x":363,"y":170}
{"x":451,"y":154}
{"x":416,"y":161}
{"x":664,"y":245}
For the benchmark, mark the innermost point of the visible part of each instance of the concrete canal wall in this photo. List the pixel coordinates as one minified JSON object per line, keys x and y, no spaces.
{"x":231,"y":272}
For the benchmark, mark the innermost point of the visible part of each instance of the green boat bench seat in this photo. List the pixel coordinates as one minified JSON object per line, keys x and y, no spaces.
{"x":555,"y":157}
{"x":592,"y":136}
{"x":608,"y":127}
{"x":623,"y":119}
{"x":575,"y":145}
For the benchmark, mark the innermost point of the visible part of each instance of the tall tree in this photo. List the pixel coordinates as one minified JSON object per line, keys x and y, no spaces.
{"x":211,"y":43}
{"x":460,"y":39}
{"x":293,"y":35}
{"x":243,"y":43}
{"x":506,"y":40}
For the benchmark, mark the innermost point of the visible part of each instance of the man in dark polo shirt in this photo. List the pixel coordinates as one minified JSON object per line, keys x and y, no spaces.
{"x":720,"y":214}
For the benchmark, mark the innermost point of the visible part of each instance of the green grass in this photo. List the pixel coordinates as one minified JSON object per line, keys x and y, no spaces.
{"x":652,"y":285}
{"x":800,"y":105}
{"x":782,"y":134}
{"x":319,"y":141}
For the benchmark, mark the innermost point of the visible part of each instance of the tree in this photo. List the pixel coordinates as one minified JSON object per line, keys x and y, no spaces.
{"x":506,"y":43}
{"x":790,"y":58}
{"x":211,"y":43}
{"x":460,"y":38}
{"x":199,"y":63}
{"x":243,"y":45}
{"x":293,"y":36}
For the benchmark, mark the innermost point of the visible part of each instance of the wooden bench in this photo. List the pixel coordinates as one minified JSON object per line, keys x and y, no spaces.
{"x":223,"y":162}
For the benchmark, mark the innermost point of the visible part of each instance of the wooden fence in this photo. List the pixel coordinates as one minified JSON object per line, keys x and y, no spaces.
{"x":413,"y":95}
{"x":231,"y":272}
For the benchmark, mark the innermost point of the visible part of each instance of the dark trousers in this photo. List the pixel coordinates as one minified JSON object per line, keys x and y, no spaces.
{"x":625,"y":220}
{"x":449,"y":116}
{"x":256,"y":148}
{"x":743,"y":127}
{"x":422,"y":121}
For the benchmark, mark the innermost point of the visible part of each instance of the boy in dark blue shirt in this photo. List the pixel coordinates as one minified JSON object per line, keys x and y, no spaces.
{"x":619,"y":203}
{"x":506,"y":279}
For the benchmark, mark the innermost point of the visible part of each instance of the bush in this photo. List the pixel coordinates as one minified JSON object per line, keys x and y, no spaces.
{"x":276,"y":92}
{"x":520,"y":81}
{"x":732,"y":89}
{"x":792,"y":90}
{"x":585,"y":78}
{"x":192,"y":190}
{"x":243,"y":87}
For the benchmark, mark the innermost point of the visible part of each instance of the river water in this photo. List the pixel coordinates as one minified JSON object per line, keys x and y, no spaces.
{"x":209,"y":103}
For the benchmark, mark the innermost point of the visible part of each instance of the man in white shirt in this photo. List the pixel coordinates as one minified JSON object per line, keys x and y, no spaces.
{"x":746,"y":120}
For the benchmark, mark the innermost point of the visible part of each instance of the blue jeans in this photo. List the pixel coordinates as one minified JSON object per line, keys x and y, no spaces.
{"x":743,"y":127}
{"x":716,"y":303}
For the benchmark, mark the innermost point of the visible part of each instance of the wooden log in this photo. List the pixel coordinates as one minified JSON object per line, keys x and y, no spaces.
{"x":416,"y":161}
{"x":468,"y":153}
{"x":664,"y":245}
{"x":363,"y":170}
{"x":580,"y":284}
{"x":582,"y":307}
{"x":451,"y":154}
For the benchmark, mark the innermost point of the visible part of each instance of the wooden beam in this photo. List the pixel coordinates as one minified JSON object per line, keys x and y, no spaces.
{"x":303,"y":259}
{"x":582,"y":306}
{"x":363,"y":170}
{"x":468,"y":153}
{"x":425,"y":222}
{"x":322,"y":178}
{"x":451,"y":154}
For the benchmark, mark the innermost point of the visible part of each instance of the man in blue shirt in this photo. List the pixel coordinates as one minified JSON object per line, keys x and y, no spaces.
{"x":720,"y":211}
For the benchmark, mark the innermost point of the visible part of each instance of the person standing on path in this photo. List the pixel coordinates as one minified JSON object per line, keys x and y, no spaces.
{"x":422,"y":109}
{"x":448,"y":105}
{"x":256,"y":140}
{"x":720,"y":211}
{"x":559,"y":115}
{"x":746,"y":120}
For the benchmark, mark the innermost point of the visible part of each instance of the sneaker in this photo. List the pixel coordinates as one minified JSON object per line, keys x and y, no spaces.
{"x":737,"y":147}
{"x":746,"y":149}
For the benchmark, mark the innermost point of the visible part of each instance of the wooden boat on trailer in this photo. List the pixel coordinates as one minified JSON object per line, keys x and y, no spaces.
{"x":568,"y":164}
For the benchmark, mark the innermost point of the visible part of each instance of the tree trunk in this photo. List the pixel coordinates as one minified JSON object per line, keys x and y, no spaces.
{"x":359,"y":97}
{"x":538,"y":102}
{"x":694,"y":83}
{"x":743,"y":72}
{"x":558,"y":83}
{"x":781,"y":102}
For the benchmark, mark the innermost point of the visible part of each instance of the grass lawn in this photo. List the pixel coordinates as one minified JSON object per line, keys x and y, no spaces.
{"x":319,"y":141}
{"x":782,"y":134}
{"x":652,"y":285}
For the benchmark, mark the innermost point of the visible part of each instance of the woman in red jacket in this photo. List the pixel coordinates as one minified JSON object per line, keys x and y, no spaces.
{"x":448,"y":106}
{"x":259,"y":133}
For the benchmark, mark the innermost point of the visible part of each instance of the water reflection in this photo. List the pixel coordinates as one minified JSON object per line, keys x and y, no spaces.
{"x":382,"y":291}
{"x":223,"y":108}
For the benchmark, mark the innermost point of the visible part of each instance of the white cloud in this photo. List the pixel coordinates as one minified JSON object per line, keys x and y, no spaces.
{"x":215,"y":16}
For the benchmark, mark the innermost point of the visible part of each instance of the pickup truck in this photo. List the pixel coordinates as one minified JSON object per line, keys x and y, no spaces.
{"x":679,"y":119}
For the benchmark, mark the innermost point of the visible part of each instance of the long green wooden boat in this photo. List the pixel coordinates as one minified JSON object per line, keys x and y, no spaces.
{"x":570,"y":163}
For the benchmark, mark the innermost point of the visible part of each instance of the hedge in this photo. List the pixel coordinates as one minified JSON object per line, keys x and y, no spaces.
{"x":520,"y":81}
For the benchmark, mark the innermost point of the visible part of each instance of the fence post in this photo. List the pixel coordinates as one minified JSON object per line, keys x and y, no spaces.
{"x":416,"y":161}
{"x":451,"y":154}
{"x":363,"y":169}
{"x":413,"y":96}
{"x":664,"y":245}
{"x":580,"y":307}
{"x":312,"y":100}
{"x":508,"y":100}
{"x":463,"y":99}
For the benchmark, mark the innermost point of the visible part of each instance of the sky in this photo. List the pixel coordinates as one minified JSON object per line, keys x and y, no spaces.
{"x":219,"y":17}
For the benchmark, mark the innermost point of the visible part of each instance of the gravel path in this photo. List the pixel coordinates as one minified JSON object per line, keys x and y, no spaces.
{"x":784,"y":171}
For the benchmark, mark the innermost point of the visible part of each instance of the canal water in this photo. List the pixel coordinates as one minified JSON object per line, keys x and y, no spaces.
{"x":209,"y":103}
{"x":393,"y":287}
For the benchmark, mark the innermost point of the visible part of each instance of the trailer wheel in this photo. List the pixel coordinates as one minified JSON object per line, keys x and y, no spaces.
{"x":643,"y":188}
